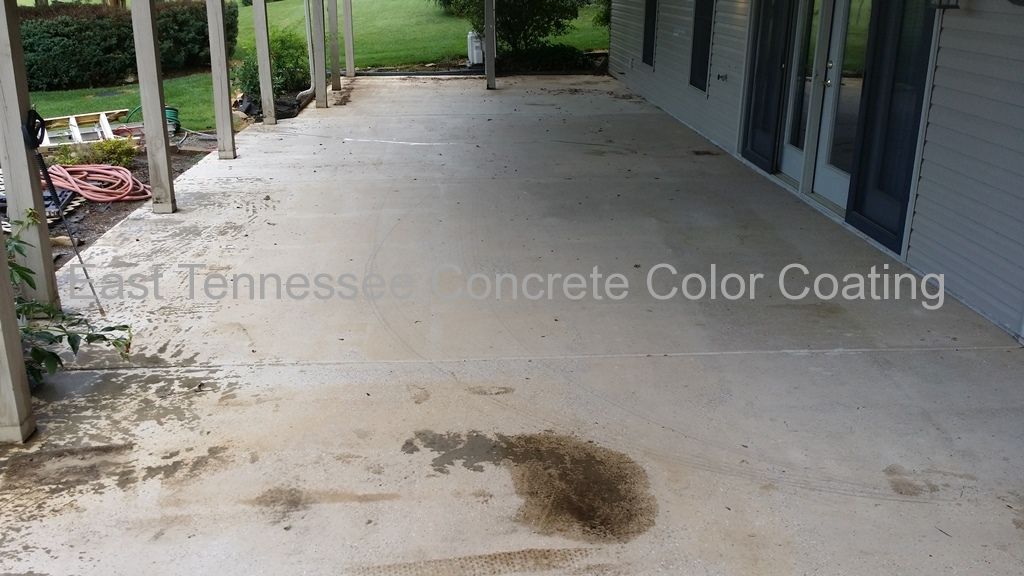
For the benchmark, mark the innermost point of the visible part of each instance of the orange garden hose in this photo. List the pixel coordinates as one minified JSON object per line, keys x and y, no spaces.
{"x":99,"y":182}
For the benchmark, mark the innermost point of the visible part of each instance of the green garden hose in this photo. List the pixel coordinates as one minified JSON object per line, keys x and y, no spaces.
{"x":170,"y":115}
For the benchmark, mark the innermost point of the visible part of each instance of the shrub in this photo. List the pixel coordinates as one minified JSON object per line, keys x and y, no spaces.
{"x":290,"y":63}
{"x":89,"y":45}
{"x":604,"y":13}
{"x":555,"y":58}
{"x":117,"y":152}
{"x":523,"y":24}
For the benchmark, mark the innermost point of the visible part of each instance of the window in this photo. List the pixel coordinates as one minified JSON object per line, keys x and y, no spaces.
{"x":700,"y":55}
{"x":650,"y":30}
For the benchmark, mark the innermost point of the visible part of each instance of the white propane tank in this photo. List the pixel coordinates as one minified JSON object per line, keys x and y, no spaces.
{"x":474,"y":48}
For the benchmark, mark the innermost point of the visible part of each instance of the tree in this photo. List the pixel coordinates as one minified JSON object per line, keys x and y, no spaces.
{"x":522,"y":24}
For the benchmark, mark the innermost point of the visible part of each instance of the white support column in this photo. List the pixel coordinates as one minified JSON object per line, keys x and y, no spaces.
{"x":221,"y":81}
{"x":316,"y":13}
{"x":490,"y":44}
{"x":21,"y":173}
{"x":22,"y":183}
{"x":350,"y":40}
{"x":259,"y":19}
{"x":332,"y":16}
{"x":16,"y":420}
{"x":151,"y":88}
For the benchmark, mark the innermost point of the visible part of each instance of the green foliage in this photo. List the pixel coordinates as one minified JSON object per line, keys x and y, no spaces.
{"x":47,"y":331}
{"x":290,"y":62}
{"x":551,"y":58}
{"x":604,"y":13}
{"x":117,"y":152}
{"x":249,"y":2}
{"x":85,"y":45}
{"x":449,"y":6}
{"x":523,"y":24}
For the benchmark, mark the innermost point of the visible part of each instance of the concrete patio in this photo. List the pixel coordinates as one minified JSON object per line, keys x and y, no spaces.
{"x":422,"y":435}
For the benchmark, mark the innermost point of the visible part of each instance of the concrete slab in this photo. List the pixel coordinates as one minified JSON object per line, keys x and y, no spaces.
{"x":426,"y":435}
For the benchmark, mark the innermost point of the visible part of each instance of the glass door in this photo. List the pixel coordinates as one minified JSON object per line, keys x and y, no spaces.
{"x":843,"y":78}
{"x":801,"y":87}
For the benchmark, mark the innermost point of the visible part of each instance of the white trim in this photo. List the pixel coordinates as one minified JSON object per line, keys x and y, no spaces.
{"x":915,"y":178}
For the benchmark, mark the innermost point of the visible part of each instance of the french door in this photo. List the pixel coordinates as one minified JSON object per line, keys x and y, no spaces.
{"x":834,"y":102}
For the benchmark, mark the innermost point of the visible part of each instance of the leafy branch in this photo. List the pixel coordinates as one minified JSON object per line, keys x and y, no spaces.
{"x":47,"y":331}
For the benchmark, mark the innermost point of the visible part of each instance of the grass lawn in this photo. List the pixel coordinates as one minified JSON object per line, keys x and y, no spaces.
{"x":387,"y":33}
{"x":191,"y":95}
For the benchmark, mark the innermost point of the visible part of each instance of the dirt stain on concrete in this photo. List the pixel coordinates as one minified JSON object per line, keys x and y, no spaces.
{"x":569,"y":486}
{"x":530,"y":560}
{"x":902,"y":482}
{"x":283,"y":502}
{"x":490,"y":390}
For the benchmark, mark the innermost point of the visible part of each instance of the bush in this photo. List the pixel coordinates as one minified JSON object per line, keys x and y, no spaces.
{"x":554,"y":58}
{"x":604,"y":13}
{"x":117,"y":152}
{"x":290,"y":63}
{"x":523,"y":24}
{"x":88,"y":45}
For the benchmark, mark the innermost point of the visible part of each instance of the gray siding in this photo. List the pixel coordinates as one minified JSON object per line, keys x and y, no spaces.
{"x":715,"y":114}
{"x":968,"y":218}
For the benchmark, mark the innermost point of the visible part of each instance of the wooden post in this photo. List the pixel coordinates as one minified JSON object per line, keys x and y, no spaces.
{"x":221,"y":81}
{"x":490,"y":43}
{"x":259,"y":19}
{"x":316,"y":13}
{"x":151,"y":89}
{"x":332,"y":15}
{"x":21,"y":180}
{"x":21,"y":173}
{"x":350,"y":41}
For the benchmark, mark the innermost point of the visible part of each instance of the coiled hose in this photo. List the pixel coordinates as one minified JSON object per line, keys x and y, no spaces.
{"x":99,"y":182}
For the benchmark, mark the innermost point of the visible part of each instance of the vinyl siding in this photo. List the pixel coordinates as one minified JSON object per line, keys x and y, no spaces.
{"x":968,"y":220}
{"x":716,"y":114}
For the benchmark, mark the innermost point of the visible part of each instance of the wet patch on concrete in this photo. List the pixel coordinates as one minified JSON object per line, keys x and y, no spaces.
{"x":530,"y":560}
{"x":283,"y":502}
{"x":569,"y":486}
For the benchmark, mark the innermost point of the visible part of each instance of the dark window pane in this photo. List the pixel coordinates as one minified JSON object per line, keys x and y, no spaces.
{"x":700,"y":55}
{"x":650,"y":30}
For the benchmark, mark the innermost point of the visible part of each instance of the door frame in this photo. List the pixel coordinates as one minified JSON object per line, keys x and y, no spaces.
{"x":803,"y":188}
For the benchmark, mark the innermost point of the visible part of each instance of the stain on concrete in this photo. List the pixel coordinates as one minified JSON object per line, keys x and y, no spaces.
{"x":569,"y":486}
{"x":903,"y":483}
{"x":490,"y":390}
{"x":419,"y":394}
{"x":283,"y":502}
{"x":530,"y":560}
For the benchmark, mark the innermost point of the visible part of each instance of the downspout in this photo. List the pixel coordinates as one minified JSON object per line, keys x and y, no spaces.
{"x":306,"y":96}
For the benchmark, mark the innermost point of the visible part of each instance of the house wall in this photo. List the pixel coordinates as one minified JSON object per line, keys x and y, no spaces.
{"x":716,"y":114}
{"x":968,"y":220}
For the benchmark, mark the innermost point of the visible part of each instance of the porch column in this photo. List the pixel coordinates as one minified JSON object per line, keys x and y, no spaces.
{"x":16,"y":420}
{"x":332,"y":16}
{"x":259,"y":19}
{"x":151,"y":89}
{"x":22,"y":184}
{"x":21,"y":174}
{"x":221,"y":82}
{"x":490,"y":44}
{"x":316,"y":13}
{"x":350,"y":43}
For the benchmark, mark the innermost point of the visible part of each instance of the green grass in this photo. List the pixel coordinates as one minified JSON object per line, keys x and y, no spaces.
{"x":387,"y":33}
{"x":397,"y":32}
{"x":191,"y":95}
